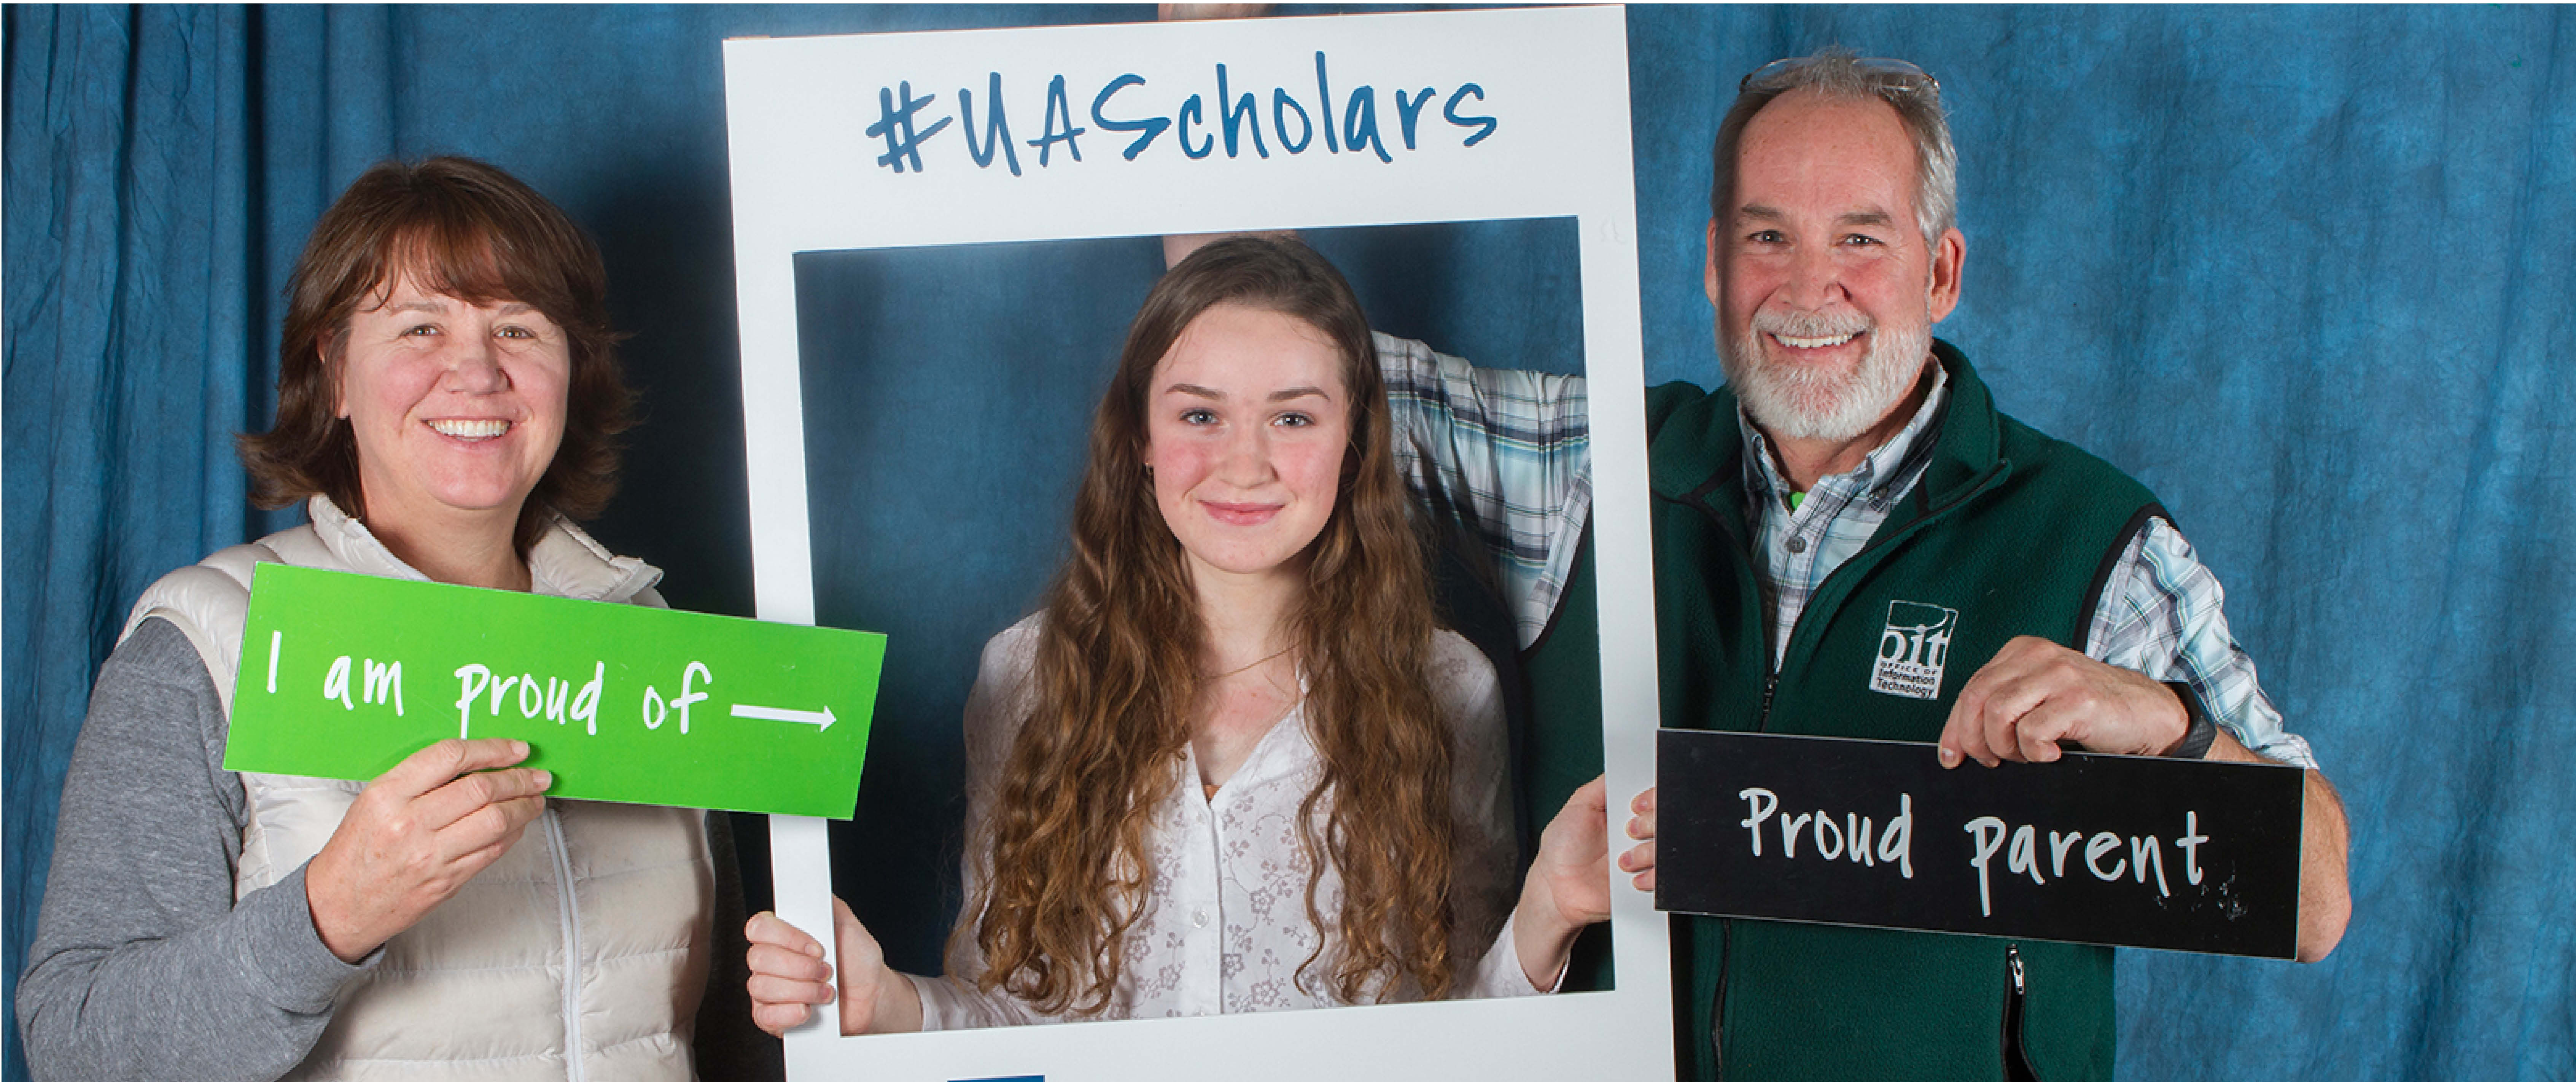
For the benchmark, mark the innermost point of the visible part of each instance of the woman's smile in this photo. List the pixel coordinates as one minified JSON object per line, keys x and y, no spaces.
{"x":1241,"y":514}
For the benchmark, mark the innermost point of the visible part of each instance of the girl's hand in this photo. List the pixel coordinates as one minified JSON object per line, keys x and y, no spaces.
{"x":788,"y":978}
{"x":1569,"y":883}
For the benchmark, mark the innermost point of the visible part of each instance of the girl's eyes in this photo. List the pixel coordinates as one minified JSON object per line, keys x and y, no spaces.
{"x":1203,"y":417}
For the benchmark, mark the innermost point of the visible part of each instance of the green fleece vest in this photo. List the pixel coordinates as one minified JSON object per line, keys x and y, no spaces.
{"x":2011,"y":531}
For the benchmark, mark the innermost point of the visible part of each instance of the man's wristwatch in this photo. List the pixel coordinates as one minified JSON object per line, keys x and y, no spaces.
{"x":2199,"y":732}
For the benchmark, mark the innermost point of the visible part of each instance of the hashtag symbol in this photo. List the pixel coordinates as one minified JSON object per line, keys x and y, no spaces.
{"x":903,"y":145}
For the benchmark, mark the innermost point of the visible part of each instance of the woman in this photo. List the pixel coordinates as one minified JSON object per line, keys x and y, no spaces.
{"x":1232,"y":765}
{"x":447,"y":400}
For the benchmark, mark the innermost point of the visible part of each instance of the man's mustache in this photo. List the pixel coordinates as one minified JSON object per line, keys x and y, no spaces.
{"x":1805,"y":324}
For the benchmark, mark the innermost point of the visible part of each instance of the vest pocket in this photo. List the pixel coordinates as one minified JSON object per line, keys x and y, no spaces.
{"x":2016,"y":990}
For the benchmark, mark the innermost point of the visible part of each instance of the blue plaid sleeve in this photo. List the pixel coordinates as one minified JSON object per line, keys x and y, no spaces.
{"x":2161,"y":615}
{"x":1510,"y":451}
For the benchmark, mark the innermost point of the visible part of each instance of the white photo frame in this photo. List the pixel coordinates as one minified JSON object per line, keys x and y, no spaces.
{"x":1552,"y":82}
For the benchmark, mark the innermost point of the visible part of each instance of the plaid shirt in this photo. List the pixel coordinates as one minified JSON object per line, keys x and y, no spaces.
{"x":1512,"y":451}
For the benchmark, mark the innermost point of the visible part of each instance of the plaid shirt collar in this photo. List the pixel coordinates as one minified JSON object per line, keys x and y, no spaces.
{"x":1883,"y":477}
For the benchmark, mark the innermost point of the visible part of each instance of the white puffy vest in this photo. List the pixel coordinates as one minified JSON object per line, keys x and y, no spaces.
{"x":580,"y":954}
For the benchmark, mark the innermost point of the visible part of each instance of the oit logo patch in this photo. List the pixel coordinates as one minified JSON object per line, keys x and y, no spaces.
{"x":1913,"y":649}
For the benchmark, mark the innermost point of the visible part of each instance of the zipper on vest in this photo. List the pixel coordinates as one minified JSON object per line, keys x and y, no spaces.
{"x":1771,"y":671}
{"x":1717,"y":1003}
{"x":2016,"y":1057}
{"x":572,"y":944}
{"x":1989,"y":481}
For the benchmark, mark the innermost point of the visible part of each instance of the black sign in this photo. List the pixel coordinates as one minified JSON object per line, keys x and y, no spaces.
{"x":2111,"y":849}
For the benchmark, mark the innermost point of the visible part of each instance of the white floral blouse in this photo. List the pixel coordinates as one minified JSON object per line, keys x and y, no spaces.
{"x":1225,"y":926}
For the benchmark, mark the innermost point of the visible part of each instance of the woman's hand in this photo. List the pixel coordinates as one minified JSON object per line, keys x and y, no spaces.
{"x":415,"y":836}
{"x":1569,"y":884}
{"x":788,"y":976}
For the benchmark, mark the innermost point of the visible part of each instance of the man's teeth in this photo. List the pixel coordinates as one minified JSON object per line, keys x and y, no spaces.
{"x":483,"y":429}
{"x":1814,"y":343}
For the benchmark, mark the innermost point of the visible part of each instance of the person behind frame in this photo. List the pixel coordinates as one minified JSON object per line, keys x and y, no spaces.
{"x":1232,"y":765}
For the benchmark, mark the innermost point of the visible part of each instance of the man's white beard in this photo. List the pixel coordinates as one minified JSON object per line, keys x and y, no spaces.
{"x":1816,"y":403}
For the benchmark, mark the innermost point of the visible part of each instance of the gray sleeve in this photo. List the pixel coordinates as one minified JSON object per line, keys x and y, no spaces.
{"x":143,"y":965}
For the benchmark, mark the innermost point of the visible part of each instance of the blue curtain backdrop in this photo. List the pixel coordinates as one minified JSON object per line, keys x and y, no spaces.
{"x":2304,"y":271}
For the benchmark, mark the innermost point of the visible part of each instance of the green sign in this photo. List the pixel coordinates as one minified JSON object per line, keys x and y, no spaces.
{"x":343,"y":675}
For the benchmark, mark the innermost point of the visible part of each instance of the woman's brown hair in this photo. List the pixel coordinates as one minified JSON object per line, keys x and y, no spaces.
{"x":1118,"y":680}
{"x":466,"y":229}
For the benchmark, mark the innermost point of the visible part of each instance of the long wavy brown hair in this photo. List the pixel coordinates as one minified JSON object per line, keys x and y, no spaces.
{"x":1118,"y":682}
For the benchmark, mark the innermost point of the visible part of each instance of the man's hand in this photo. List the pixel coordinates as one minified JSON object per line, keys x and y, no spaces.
{"x":415,"y":837}
{"x":788,"y":976}
{"x":1640,"y":861}
{"x":2036,"y":695}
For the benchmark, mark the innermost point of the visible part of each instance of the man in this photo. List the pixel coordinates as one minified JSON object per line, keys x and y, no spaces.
{"x":1852,"y":465}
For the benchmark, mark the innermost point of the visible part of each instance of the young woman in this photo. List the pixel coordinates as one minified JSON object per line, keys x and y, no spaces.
{"x":1232,"y":765}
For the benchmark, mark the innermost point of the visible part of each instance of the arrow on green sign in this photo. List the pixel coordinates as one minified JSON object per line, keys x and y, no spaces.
{"x":820,"y":719}
{"x":343,"y":675}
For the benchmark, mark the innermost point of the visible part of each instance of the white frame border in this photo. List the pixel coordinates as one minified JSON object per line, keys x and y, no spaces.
{"x":1557,"y":80}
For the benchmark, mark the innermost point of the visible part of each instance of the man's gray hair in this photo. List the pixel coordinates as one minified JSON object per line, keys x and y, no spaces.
{"x":1838,"y":72}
